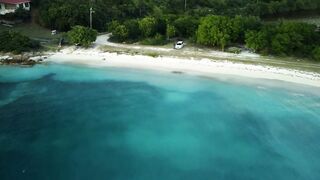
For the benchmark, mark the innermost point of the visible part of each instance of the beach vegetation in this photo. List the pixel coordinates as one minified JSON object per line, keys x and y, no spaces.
{"x":132,"y":26}
{"x":82,"y":36}
{"x":284,"y":38}
{"x":316,"y":53}
{"x":112,"y":25}
{"x":120,"y":33}
{"x":170,"y":31}
{"x":152,"y":54}
{"x":186,"y":26}
{"x":222,"y":30}
{"x":62,"y":15}
{"x":11,"y":41}
{"x":213,"y":23}
{"x":148,"y":26}
{"x":158,"y":39}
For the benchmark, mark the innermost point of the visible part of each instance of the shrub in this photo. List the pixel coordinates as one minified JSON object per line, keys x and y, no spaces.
{"x":133,"y":29}
{"x":120,"y":33}
{"x":285,"y":38}
{"x":171,"y":31}
{"x":81,"y":35}
{"x":11,"y":41}
{"x":316,"y":53}
{"x":152,"y":54}
{"x":112,"y":25}
{"x":215,"y":31}
{"x":241,"y":24}
{"x":157,"y":40}
{"x":186,"y":26}
{"x":148,"y":26}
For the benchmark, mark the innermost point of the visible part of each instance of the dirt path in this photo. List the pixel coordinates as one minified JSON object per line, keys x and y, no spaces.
{"x":192,"y":52}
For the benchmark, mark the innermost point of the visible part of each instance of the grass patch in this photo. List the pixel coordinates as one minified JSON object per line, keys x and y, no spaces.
{"x":32,"y":30}
{"x":157,"y":40}
{"x":152,"y":54}
{"x":37,"y":33}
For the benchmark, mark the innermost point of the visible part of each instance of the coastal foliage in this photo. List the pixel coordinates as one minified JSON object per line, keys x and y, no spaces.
{"x":148,"y":26}
{"x":148,"y":30}
{"x":120,"y":33}
{"x":214,"y":23}
{"x":171,"y":31}
{"x":186,"y":26}
{"x":62,"y":15}
{"x":284,"y":38}
{"x":83,"y":36}
{"x":11,"y":41}
{"x":132,"y":26}
{"x":215,"y":31}
{"x":158,"y":39}
{"x":222,"y":30}
{"x":316,"y":53}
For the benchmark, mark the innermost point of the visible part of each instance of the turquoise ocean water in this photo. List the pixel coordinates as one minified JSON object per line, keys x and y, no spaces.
{"x":62,"y":122}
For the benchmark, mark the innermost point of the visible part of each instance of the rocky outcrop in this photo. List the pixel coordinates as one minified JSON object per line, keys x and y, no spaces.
{"x":23,"y":59}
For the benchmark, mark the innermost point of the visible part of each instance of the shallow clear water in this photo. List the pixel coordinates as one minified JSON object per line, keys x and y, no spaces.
{"x":72,"y":122}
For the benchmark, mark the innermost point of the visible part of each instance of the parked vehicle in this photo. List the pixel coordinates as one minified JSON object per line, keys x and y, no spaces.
{"x":179,"y":45}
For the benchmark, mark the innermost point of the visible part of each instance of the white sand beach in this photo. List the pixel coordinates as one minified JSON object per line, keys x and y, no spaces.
{"x":211,"y":68}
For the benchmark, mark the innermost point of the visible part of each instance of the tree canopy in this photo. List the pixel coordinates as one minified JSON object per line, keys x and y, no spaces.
{"x":11,"y":41}
{"x":216,"y":23}
{"x":82,"y":36}
{"x":222,"y":30}
{"x":62,"y":15}
{"x":285,"y":38}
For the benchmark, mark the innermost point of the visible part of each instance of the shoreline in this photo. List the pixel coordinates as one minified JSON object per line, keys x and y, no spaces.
{"x":93,"y":57}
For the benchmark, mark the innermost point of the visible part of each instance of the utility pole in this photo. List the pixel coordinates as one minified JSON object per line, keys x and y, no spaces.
{"x":91,"y":12}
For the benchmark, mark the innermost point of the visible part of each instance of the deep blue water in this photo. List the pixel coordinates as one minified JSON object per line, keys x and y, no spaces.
{"x":70,"y":122}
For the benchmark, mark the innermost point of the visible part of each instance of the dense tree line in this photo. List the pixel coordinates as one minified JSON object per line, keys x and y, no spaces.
{"x":83,"y":36}
{"x":62,"y":15}
{"x":282,"y":38}
{"x":152,"y":28}
{"x":286,"y":38}
{"x":219,"y":23}
{"x":223,"y":30}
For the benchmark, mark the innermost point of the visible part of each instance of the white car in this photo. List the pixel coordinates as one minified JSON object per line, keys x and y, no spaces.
{"x":179,"y":45}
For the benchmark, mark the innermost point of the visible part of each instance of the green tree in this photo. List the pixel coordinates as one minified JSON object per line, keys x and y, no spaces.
{"x":62,"y":15}
{"x":133,"y":29}
{"x":186,"y":26}
{"x":284,"y":38}
{"x":113,"y":25}
{"x":171,"y":31}
{"x":280,"y":44}
{"x":81,"y":35}
{"x":120,"y":33}
{"x":316,"y":53}
{"x":11,"y":41}
{"x":258,"y":41}
{"x":147,"y":26}
{"x":243,"y":24}
{"x":215,"y":31}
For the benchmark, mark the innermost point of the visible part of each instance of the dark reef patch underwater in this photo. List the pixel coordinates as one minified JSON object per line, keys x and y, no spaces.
{"x":73,"y":122}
